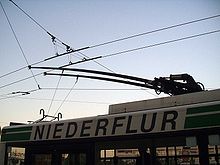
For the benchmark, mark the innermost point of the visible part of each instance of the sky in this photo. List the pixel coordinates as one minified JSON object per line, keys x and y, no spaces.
{"x":90,"y":23}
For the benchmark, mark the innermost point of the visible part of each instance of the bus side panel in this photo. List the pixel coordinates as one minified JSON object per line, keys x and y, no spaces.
{"x":2,"y":153}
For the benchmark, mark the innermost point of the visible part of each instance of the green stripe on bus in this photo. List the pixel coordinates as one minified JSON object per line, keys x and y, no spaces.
{"x":210,"y":108}
{"x":16,"y":136}
{"x":202,"y":121}
{"x":20,"y":129}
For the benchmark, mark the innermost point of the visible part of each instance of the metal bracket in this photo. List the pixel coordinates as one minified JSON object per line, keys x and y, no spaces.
{"x":44,"y":116}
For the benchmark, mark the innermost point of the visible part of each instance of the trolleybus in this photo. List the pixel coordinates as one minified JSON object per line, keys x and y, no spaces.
{"x":177,"y":130}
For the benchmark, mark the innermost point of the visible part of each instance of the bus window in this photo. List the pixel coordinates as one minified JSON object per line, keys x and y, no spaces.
{"x":214,"y":154}
{"x":178,"y":155}
{"x":42,"y":159}
{"x":127,"y":156}
{"x":188,"y":155}
{"x":74,"y":159}
{"x":106,"y":157}
{"x":16,"y":155}
{"x":119,"y":157}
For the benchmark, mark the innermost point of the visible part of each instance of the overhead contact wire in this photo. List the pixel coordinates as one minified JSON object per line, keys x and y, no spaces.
{"x":157,"y":30}
{"x":19,"y":69}
{"x":136,"y":49}
{"x":125,"y":38}
{"x":109,"y":42}
{"x":141,"y":34}
{"x":120,"y":39}
{"x":190,"y":22}
{"x":161,"y":43}
{"x":15,"y":82}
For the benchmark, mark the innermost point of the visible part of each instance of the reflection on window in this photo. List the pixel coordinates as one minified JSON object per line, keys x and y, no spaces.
{"x":188,"y":160}
{"x":161,"y":151}
{"x":186,"y":151}
{"x":171,"y":151}
{"x":107,"y":153}
{"x":119,"y":153}
{"x":194,"y":150}
{"x":179,"y":150}
{"x":127,"y":153}
{"x":180,"y":155}
{"x":15,"y":155}
{"x":119,"y":157}
{"x":212,"y":150}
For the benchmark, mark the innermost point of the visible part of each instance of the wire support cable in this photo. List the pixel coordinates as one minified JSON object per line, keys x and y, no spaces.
{"x":53,"y":37}
{"x":28,"y":15}
{"x":21,"y":49}
{"x":55,"y":91}
{"x":66,"y":97}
